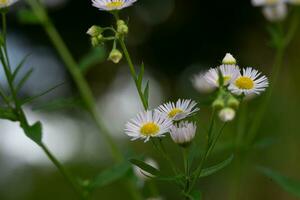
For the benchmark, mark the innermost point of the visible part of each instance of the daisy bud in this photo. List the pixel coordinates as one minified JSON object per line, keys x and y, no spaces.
{"x":94,"y":31}
{"x":227,"y":114}
{"x":183,"y":133}
{"x":95,"y":42}
{"x":218,"y":104}
{"x":122,"y":28}
{"x":115,"y":56}
{"x":233,"y":102}
{"x":229,"y":60}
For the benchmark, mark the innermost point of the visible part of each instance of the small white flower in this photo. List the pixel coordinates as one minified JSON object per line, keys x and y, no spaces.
{"x":229,"y":73}
{"x":200,"y":83}
{"x":249,"y":82}
{"x":229,"y":60}
{"x":148,"y":124}
{"x":7,"y":3}
{"x":273,"y":10}
{"x":178,"y":111}
{"x":227,"y":114}
{"x":143,"y":175}
{"x":109,"y":5}
{"x":183,"y":133}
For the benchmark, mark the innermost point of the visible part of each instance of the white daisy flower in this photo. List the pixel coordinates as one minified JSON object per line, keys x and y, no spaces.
{"x":110,"y":5}
{"x":229,"y":73}
{"x":200,"y":83}
{"x":249,"y":83}
{"x":273,"y":10}
{"x":178,"y":111}
{"x":7,"y":3}
{"x":183,"y":133}
{"x":148,"y":124}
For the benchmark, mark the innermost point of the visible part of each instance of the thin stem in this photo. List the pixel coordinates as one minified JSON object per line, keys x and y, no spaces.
{"x":63,"y":171}
{"x":72,"y":66}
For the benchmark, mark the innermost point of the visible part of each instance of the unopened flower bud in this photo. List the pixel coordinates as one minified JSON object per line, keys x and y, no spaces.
{"x":95,"y":42}
{"x":94,"y":31}
{"x":233,"y":102}
{"x":218,"y":104}
{"x":183,"y":133}
{"x":229,"y":60}
{"x":122,"y":28}
{"x":227,"y":114}
{"x":115,"y":56}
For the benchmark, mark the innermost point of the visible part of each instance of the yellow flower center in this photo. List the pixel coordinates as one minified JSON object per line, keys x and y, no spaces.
{"x":149,"y":129}
{"x":175,"y":112}
{"x":3,"y":1}
{"x":115,"y":4}
{"x":244,"y":83}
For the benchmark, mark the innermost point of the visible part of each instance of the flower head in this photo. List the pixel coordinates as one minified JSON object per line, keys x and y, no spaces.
{"x":249,"y":82}
{"x":148,"y":124}
{"x":229,"y":73}
{"x":110,"y":5}
{"x":183,"y":133}
{"x":229,"y":60}
{"x":115,"y":56}
{"x":178,"y":111}
{"x":273,"y":10}
{"x":7,"y":3}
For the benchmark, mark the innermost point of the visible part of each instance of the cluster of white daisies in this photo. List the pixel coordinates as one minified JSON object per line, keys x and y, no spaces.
{"x":275,"y":10}
{"x":167,"y":118}
{"x":245,"y":82}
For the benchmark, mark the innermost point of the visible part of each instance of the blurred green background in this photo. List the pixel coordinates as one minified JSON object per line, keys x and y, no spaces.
{"x":175,"y":39}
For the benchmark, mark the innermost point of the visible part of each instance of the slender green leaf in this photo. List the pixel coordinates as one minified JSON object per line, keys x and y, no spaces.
{"x":34,"y":132}
{"x":23,"y":80}
{"x":146,"y":93}
{"x":95,"y":56}
{"x":211,"y":170}
{"x":288,"y":184}
{"x":110,"y":175}
{"x":145,"y":167}
{"x":26,"y":16}
{"x":7,"y":113}
{"x":19,"y":66}
{"x":59,"y":104}
{"x":141,"y":75}
{"x":194,"y":195}
{"x":30,"y":99}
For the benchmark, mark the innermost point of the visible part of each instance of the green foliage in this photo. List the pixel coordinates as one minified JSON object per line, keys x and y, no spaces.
{"x":59,"y":104}
{"x":23,"y":80}
{"x":110,"y":175}
{"x":8,"y":113}
{"x":95,"y":56}
{"x":214,"y":169}
{"x":289,"y":185}
{"x":19,"y":66}
{"x":145,"y":167}
{"x":34,"y":132}
{"x":26,"y":16}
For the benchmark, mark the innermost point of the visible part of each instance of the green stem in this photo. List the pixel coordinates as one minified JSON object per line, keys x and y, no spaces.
{"x":81,"y":83}
{"x":72,"y":66}
{"x":63,"y":171}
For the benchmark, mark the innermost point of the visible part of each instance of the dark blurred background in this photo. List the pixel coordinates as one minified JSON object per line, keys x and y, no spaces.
{"x":175,"y":39}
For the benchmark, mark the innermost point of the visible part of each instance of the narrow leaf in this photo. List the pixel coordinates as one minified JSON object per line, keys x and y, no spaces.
{"x":19,"y":66}
{"x":211,"y":170}
{"x":26,"y":16}
{"x":34,"y":132}
{"x":289,"y":185}
{"x":30,"y":99}
{"x":95,"y":56}
{"x":145,"y":167}
{"x":110,"y":175}
{"x":24,"y":79}
{"x":146,"y":93}
{"x":7,"y":113}
{"x":140,"y":76}
{"x":59,"y":104}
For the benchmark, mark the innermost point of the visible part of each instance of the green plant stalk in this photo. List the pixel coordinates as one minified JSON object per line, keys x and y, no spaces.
{"x":72,"y":66}
{"x":81,"y":83}
{"x":21,"y":115}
